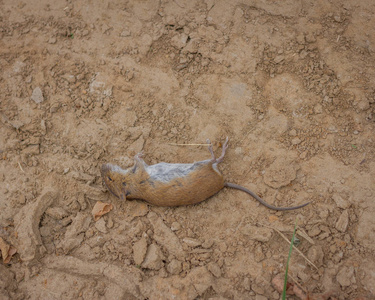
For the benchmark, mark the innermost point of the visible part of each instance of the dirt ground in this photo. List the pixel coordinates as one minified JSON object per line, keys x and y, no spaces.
{"x":291,"y":83}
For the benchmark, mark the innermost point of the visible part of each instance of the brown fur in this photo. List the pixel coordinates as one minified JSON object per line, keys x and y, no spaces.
{"x":180,"y":191}
{"x":203,"y":181}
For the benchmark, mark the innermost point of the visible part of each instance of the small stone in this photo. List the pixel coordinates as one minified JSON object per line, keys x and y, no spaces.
{"x":179,"y":40}
{"x":293,"y":132}
{"x":340,"y":202}
{"x":337,"y":18}
{"x":238,"y":150}
{"x":301,"y":38}
{"x":100,"y":225}
{"x":246,"y":284}
{"x":310,"y":38}
{"x":296,"y":141}
{"x":261,"y":234}
{"x":207,"y":244}
{"x":280,"y":173}
{"x":37,"y":95}
{"x":110,"y":222}
{"x":21,"y":199}
{"x":279,"y":59}
{"x":303,"y":155}
{"x":343,"y":221}
{"x":139,"y":251}
{"x":69,"y":78}
{"x":45,"y":231}
{"x":364,"y":104}
{"x":316,"y":255}
{"x":260,"y":297}
{"x":345,"y":277}
{"x":31,"y":150}
{"x":214,"y":269}
{"x":314,"y":231}
{"x":57,"y":213}
{"x":125,"y":33}
{"x":52,"y":40}
{"x":191,"y":242}
{"x":257,"y":289}
{"x":175,"y":226}
{"x":154,"y":258}
{"x":259,"y":254}
{"x":43,"y":127}
{"x":174,"y":267}
{"x":318,"y":109}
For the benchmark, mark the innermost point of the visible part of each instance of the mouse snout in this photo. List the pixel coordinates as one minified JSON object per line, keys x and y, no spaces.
{"x":105,"y":168}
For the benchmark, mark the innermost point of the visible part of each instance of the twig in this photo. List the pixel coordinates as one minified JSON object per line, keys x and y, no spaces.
{"x":173,"y":144}
{"x":296,"y":282}
{"x":286,"y":239}
{"x":21,"y":167}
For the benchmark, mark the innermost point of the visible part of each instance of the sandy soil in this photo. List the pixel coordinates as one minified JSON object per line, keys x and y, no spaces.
{"x":290,"y":82}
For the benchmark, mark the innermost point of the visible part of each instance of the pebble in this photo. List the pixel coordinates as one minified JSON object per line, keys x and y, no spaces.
{"x":191,"y":242}
{"x":260,"y":234}
{"x":207,"y":244}
{"x":52,"y":40}
{"x":125,"y":33}
{"x":214,"y":269}
{"x":31,"y":150}
{"x":343,"y":221}
{"x":37,"y":95}
{"x":318,"y":109}
{"x":57,"y":213}
{"x":296,"y":141}
{"x":179,"y":40}
{"x":345,"y":277}
{"x":340,"y":202}
{"x":293,"y":132}
{"x":139,"y":251}
{"x":314,"y":231}
{"x":164,"y":236}
{"x":246,"y":284}
{"x":174,"y":267}
{"x":316,"y":255}
{"x":100,"y":225}
{"x":154,"y":258}
{"x":175,"y":226}
{"x":279,"y":59}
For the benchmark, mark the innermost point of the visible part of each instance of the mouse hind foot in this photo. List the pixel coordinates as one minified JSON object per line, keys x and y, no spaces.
{"x":224,"y":149}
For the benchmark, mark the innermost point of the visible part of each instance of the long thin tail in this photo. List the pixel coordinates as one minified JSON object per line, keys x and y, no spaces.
{"x":241,"y":188}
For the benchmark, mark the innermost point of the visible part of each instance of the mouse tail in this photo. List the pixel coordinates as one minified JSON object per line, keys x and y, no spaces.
{"x":241,"y":188}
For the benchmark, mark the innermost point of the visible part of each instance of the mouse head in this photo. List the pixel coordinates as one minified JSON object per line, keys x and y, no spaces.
{"x":115,"y":180}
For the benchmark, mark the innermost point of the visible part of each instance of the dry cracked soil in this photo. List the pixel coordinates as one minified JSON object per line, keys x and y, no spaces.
{"x":291,"y":83}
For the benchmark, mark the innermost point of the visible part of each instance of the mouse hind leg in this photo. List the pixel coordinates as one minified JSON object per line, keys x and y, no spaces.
{"x":224,"y":149}
{"x":139,"y":163}
{"x":213,"y":158}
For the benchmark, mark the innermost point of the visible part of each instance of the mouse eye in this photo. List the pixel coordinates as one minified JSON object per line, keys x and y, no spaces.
{"x":124,"y":184}
{"x":109,"y":178}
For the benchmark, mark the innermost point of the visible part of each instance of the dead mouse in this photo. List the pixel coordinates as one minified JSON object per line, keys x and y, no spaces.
{"x":165,"y":184}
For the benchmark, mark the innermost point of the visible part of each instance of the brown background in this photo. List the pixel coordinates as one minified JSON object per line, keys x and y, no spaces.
{"x":290,"y":82}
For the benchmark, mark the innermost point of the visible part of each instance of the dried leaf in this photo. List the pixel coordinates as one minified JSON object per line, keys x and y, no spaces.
{"x":11,"y":252}
{"x":101,"y":208}
{"x":7,"y":251}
